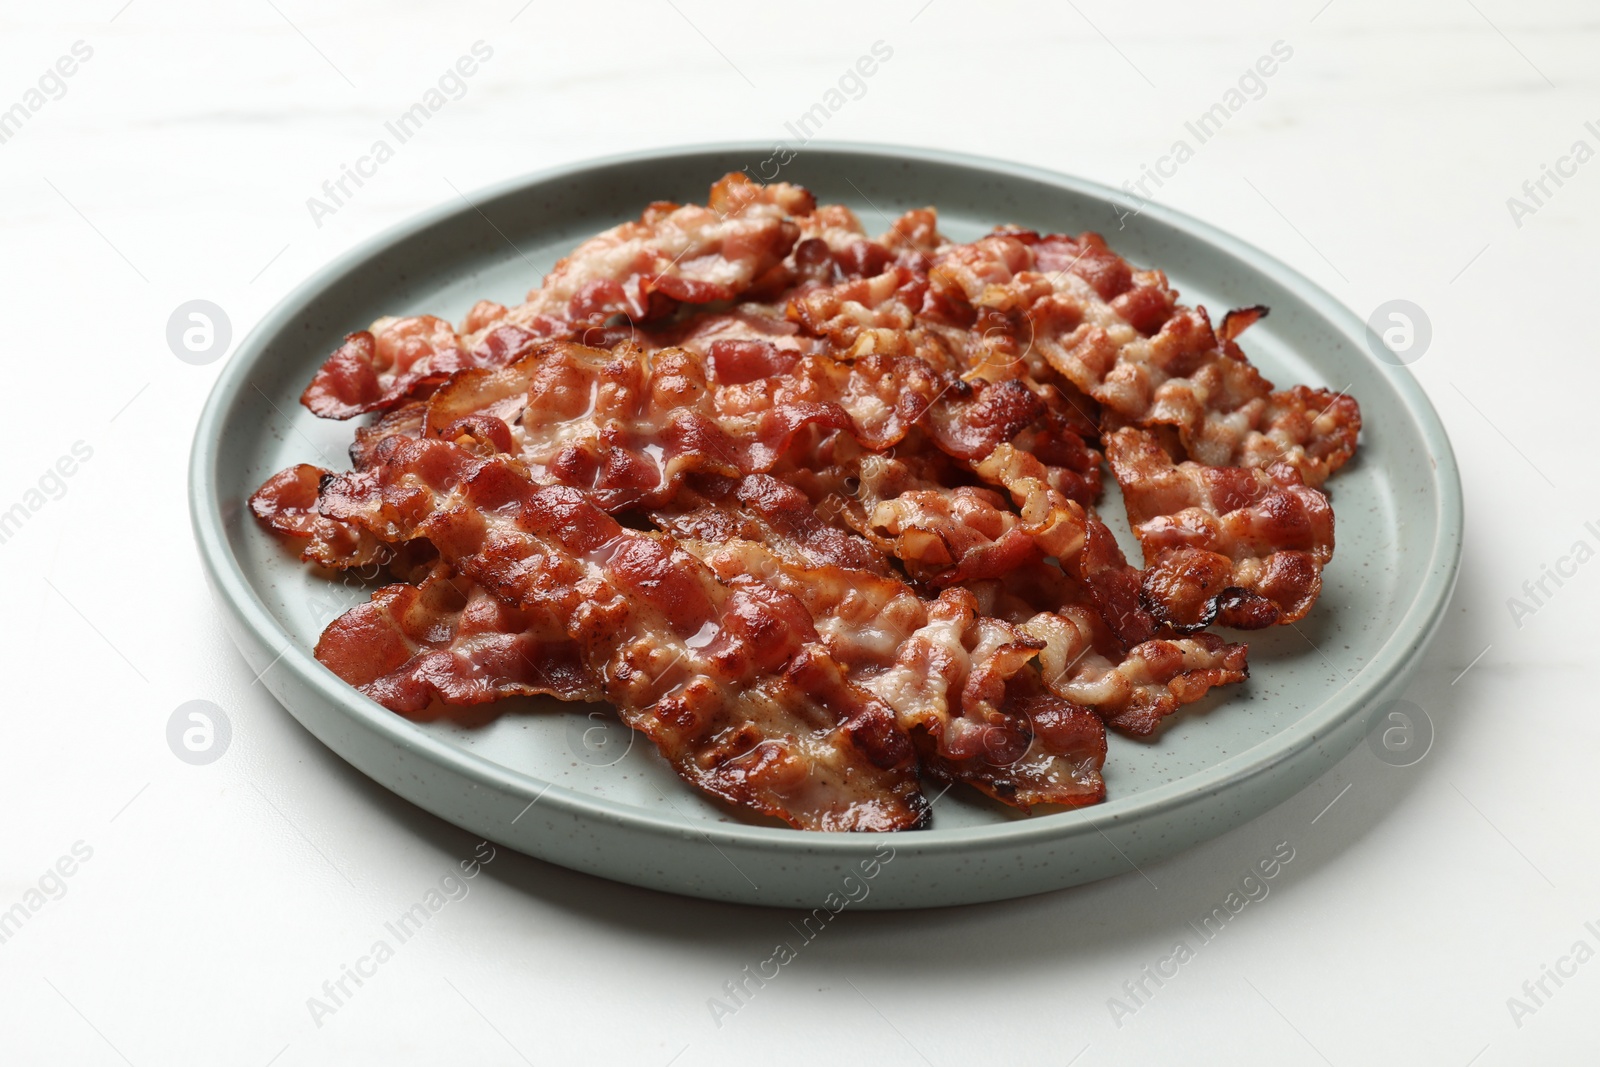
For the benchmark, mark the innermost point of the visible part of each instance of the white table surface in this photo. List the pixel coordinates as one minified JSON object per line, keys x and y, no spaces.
{"x":217,"y":899}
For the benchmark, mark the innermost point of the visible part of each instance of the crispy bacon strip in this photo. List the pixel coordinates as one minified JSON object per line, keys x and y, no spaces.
{"x":766,"y":510}
{"x":1083,"y":545}
{"x":623,"y":426}
{"x":949,"y":536}
{"x":1083,"y":662}
{"x":377,"y":366}
{"x":864,"y":618}
{"x":961,"y":684}
{"x":1193,"y":379}
{"x":1057,"y":308}
{"x":642,"y":270}
{"x":287,"y":503}
{"x":730,"y":681}
{"x":896,"y":500}
{"x":1240,"y":546}
{"x":570,"y":410}
{"x":626,"y":426}
{"x":450,"y":640}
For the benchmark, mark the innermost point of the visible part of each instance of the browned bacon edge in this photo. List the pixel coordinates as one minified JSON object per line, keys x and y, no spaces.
{"x":869,"y":615}
{"x":729,"y":680}
{"x":964,"y":686}
{"x":1067,"y":311}
{"x":1243,"y":547}
{"x":640,"y":272}
{"x":989,"y":363}
{"x":450,"y":640}
{"x":627,"y":426}
{"x":287,"y":502}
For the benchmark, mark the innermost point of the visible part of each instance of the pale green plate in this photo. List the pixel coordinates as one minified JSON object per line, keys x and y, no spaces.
{"x":604,"y":805}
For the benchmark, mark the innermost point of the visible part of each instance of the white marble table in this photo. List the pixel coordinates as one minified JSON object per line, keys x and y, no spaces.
{"x":187,"y":914}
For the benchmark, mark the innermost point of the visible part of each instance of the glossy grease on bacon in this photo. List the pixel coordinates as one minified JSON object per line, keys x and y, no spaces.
{"x":815,"y":510}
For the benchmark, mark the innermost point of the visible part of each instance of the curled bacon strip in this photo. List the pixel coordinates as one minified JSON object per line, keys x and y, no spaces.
{"x":1083,"y":545}
{"x":640,"y":270}
{"x":1084,"y":662}
{"x":287,"y":503}
{"x":1197,"y":381}
{"x":729,"y":680}
{"x":768,"y":511}
{"x":951,"y":536}
{"x":1058,"y":308}
{"x":962,"y":685}
{"x":1240,"y":546}
{"x":374,"y":368}
{"x":868,"y":621}
{"x":628,"y":425}
{"x":872,"y":465}
{"x":450,"y":640}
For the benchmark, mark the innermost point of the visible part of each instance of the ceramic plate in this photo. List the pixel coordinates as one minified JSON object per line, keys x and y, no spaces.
{"x":566,"y":784}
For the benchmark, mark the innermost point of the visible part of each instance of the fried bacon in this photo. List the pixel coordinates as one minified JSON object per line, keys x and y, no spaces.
{"x":868,"y":619}
{"x":449,"y":640}
{"x":1068,"y":309}
{"x":1240,"y":546}
{"x":1084,"y":662}
{"x":644,"y":270}
{"x":947,"y":536}
{"x":1082,"y":544}
{"x":628,"y":425}
{"x":1196,"y":381}
{"x":287,"y":503}
{"x":771,"y":512}
{"x":869,"y":467}
{"x":962,"y":685}
{"x":729,"y":680}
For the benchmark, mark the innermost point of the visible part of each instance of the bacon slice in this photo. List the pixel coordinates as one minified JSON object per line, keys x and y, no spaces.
{"x":374,"y":367}
{"x":1190,"y":378}
{"x":643,"y":270}
{"x":450,"y":640}
{"x":287,"y":503}
{"x":808,"y":411}
{"x":1084,"y":663}
{"x":1083,"y":545}
{"x":865,"y":314}
{"x":1244,"y":547}
{"x":770,"y":512}
{"x":1056,"y":308}
{"x":867,"y":619}
{"x":962,"y":685}
{"x":730,"y":681}
{"x":947,"y":536}
{"x":628,"y":425}
{"x":404,"y":421}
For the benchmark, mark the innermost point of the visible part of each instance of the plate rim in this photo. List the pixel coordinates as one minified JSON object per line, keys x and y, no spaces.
{"x":1413,"y":629}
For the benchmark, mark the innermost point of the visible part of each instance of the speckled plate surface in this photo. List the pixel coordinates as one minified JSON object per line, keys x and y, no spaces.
{"x":564,"y":783}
